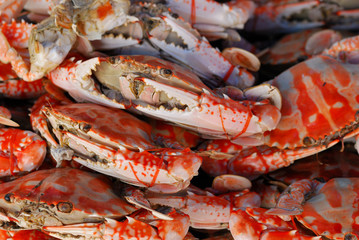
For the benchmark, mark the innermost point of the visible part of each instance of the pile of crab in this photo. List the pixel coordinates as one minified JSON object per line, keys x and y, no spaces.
{"x":158,"y":119}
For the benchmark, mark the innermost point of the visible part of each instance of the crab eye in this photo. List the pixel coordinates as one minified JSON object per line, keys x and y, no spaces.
{"x":64,"y":207}
{"x":9,"y":197}
{"x":175,"y":15}
{"x":165,"y":72}
{"x":349,"y":236}
{"x":309,"y":141}
{"x":86,"y":127}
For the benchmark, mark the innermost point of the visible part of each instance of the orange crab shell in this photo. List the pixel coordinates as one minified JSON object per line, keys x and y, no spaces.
{"x":107,"y":124}
{"x":83,"y":191}
{"x":319,"y":100}
{"x":333,"y":211}
{"x":21,"y":151}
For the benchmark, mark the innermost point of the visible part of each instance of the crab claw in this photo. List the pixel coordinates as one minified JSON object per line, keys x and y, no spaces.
{"x":196,"y":52}
{"x":281,"y":16}
{"x":216,"y":117}
{"x":49,"y":45}
{"x":5,"y":116}
{"x":109,"y":229}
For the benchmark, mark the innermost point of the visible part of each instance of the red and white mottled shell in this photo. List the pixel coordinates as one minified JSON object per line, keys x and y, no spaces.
{"x":87,"y":194}
{"x":21,"y":151}
{"x":113,"y":126}
{"x":333,"y":210}
{"x":319,"y":100}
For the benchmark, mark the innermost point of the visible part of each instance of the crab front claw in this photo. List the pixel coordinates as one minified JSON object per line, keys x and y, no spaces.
{"x":164,"y":90}
{"x":281,"y":16}
{"x":47,"y":44}
{"x":211,"y":18}
{"x":212,"y":116}
{"x":197,"y":53}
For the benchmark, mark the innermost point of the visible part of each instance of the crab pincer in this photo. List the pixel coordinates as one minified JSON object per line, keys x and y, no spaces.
{"x":160,"y":89}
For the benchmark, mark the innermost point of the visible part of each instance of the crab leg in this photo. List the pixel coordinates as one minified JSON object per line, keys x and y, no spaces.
{"x":205,"y":212}
{"x":254,"y":161}
{"x":254,"y":223}
{"x":110,"y":229}
{"x":290,"y":201}
{"x":9,"y":9}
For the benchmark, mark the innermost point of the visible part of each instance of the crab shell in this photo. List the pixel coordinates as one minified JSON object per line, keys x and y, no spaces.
{"x":333,"y":210}
{"x":329,"y":209}
{"x":21,"y":151}
{"x":60,"y":196}
{"x":319,"y":100}
{"x":114,"y":142}
{"x":160,"y":89}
